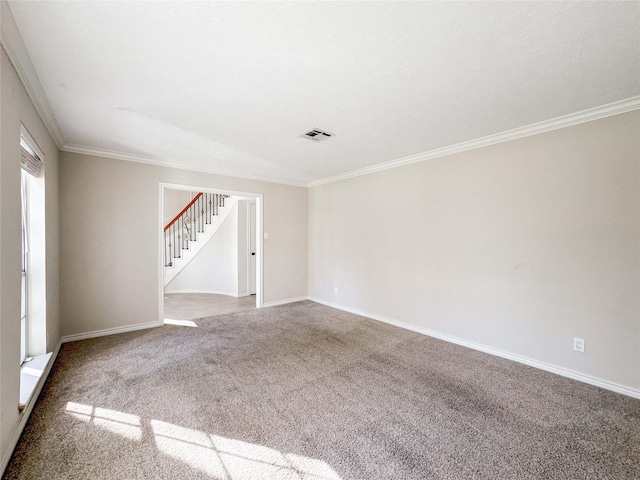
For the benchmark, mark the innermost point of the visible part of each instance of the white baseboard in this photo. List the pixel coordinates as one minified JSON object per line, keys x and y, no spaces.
{"x":284,"y":302}
{"x":27,"y":411}
{"x":109,"y":331}
{"x":211,"y":292}
{"x":564,"y":372}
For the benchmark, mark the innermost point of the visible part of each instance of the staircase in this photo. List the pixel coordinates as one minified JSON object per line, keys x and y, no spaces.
{"x":191,"y":229}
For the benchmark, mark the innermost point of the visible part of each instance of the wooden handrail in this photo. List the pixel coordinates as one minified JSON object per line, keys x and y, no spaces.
{"x":183,"y":210}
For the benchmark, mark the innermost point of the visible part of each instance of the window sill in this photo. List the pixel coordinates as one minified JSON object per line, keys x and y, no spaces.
{"x":30,"y":374}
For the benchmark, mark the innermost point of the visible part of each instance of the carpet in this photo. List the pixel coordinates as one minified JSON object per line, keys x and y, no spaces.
{"x":304,"y":391}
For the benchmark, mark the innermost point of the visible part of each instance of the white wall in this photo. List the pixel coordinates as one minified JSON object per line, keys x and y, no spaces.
{"x":215,"y":268}
{"x":174,"y":202}
{"x":17,"y":108}
{"x":109,"y":239}
{"x":519,"y":246}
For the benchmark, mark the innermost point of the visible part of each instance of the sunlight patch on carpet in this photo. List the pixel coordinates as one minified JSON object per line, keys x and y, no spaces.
{"x":231,"y":459}
{"x":219,"y":457}
{"x":122,"y":424}
{"x":180,"y":323}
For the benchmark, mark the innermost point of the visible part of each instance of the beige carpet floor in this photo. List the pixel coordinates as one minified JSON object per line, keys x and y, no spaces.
{"x":187,"y":306}
{"x":303,"y":391}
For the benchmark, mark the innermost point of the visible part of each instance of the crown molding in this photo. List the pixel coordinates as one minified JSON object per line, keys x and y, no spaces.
{"x":129,"y":157}
{"x":583,"y":116}
{"x":17,"y":53}
{"x":591,"y":114}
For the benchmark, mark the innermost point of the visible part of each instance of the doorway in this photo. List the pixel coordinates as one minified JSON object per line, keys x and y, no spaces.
{"x":223,"y":273}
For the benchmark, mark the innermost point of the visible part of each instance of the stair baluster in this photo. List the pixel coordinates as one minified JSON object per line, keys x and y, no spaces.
{"x":185,"y":226}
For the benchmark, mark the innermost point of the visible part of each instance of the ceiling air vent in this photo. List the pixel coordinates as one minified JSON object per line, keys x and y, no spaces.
{"x":317,"y":135}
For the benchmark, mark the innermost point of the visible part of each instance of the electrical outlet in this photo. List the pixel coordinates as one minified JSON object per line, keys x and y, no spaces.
{"x":578,"y":344}
{"x":335,"y":289}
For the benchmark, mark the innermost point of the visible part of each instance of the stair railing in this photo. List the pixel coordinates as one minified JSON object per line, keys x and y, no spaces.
{"x":186,"y":225}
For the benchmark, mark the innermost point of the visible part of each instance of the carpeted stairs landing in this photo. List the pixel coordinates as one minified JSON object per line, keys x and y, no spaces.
{"x":303,"y":391}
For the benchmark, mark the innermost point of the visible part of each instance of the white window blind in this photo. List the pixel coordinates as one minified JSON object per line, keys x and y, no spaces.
{"x":29,"y":161}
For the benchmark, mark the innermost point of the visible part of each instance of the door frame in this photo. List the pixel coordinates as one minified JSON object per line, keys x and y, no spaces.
{"x":252,"y":196}
{"x":251,"y":203}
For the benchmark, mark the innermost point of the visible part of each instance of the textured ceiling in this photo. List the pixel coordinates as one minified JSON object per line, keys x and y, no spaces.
{"x":232,"y":85}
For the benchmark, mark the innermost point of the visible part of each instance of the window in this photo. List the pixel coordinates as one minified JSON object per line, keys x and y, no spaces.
{"x":33,"y":319}
{"x":33,"y":292}
{"x":23,"y":290}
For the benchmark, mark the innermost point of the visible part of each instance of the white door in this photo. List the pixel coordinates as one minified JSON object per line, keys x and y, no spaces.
{"x":252,"y":249}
